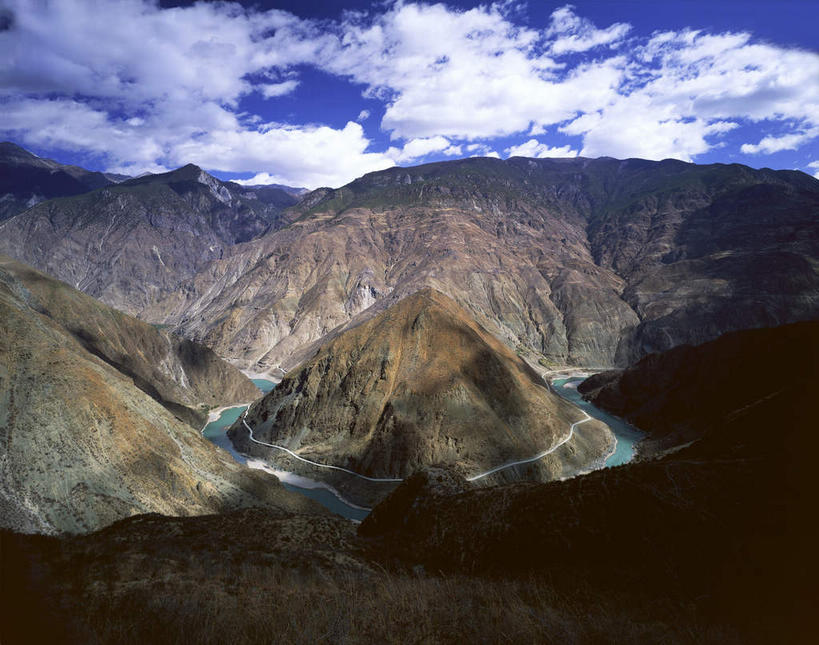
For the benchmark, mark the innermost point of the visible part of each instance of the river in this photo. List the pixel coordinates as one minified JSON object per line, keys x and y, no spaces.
{"x":627,"y":435}
{"x":216,"y":431}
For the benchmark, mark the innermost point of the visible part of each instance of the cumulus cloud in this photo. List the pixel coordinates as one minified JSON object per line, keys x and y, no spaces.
{"x":814,"y":164}
{"x":772,"y":144}
{"x":480,"y":150}
{"x":419,"y":148}
{"x":685,"y":89}
{"x":170,"y":103}
{"x":533,"y":148}
{"x":575,"y":34}
{"x":144,"y":87}
{"x":464,"y":74}
{"x":273,"y":90}
{"x":317,"y":155}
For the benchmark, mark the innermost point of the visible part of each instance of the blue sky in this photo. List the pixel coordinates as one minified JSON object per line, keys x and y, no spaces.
{"x":314,"y":93}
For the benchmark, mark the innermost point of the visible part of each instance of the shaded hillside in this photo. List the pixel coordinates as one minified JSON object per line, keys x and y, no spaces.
{"x":656,"y":393}
{"x":26,"y":180}
{"x":257,"y":577}
{"x":84,"y":437}
{"x":724,"y":523}
{"x":583,"y":261}
{"x":420,"y":384}
{"x":713,"y":544}
{"x":133,"y":243}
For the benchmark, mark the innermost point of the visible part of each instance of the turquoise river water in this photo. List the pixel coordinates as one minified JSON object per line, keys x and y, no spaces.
{"x":216,"y":431}
{"x":627,"y":435}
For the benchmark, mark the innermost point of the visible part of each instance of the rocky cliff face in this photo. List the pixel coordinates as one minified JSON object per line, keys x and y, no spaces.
{"x":133,"y":243}
{"x":593,"y":262}
{"x":420,"y":384}
{"x":90,"y":408}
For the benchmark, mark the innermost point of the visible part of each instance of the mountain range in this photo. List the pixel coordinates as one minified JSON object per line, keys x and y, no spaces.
{"x":568,"y":261}
{"x":415,"y":319}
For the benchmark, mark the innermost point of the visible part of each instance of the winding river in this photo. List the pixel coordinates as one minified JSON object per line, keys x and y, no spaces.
{"x":216,"y":431}
{"x":627,"y":435}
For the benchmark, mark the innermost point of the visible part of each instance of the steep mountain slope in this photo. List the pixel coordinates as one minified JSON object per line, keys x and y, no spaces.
{"x":84,"y":437}
{"x":185,"y":377}
{"x":592,"y":262}
{"x":26,"y":180}
{"x":133,"y":243}
{"x":724,"y":524}
{"x":713,"y":545}
{"x":420,"y":384}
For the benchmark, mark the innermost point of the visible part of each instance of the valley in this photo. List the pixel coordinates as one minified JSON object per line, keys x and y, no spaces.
{"x":223,"y":407}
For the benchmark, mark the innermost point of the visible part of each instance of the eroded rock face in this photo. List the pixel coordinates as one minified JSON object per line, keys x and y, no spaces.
{"x":133,"y":243}
{"x":420,"y":384}
{"x":90,"y":409}
{"x":592,"y":262}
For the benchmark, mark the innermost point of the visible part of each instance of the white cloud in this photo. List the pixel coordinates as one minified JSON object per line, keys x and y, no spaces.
{"x":463,"y":74}
{"x":274,"y":90}
{"x":169,"y":103}
{"x":815,"y":164}
{"x":480,"y":150}
{"x":576,"y":34}
{"x":772,"y":144}
{"x":334,"y":157}
{"x":533,"y":148}
{"x":418,"y":148}
{"x":145,"y":87}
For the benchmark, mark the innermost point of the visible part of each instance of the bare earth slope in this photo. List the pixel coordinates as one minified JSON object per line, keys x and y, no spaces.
{"x":580,"y":261}
{"x":420,"y":384}
{"x":185,"y":377}
{"x":81,"y":443}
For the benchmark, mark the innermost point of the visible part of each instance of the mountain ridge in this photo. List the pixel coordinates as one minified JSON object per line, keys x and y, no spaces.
{"x":571,"y":261}
{"x":417,"y":385}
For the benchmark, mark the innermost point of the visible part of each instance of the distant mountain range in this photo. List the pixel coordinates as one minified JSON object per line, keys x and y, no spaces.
{"x":580,"y":261}
{"x":132,"y":243}
{"x":26,"y":180}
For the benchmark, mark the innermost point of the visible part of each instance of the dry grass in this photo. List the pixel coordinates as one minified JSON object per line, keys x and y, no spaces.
{"x":255,"y":605}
